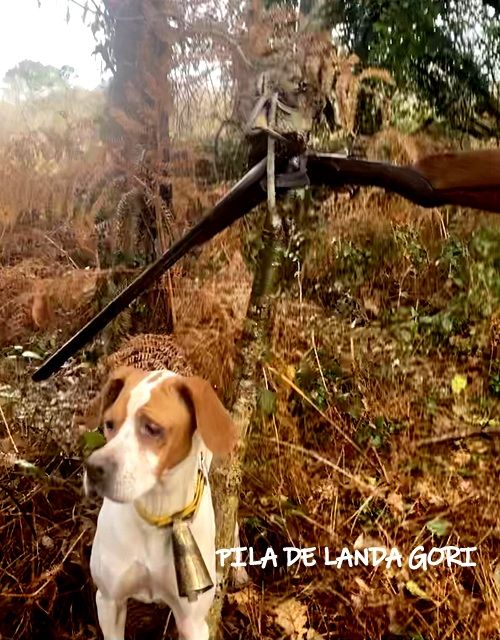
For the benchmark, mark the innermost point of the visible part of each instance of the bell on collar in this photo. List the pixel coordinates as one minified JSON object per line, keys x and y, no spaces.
{"x":190,"y":568}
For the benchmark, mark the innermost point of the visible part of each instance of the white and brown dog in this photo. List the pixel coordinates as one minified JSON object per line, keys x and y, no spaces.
{"x":161,"y":430}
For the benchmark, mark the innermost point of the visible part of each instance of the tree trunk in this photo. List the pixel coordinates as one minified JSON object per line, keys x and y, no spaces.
{"x":139,"y":95}
{"x":252,"y":351}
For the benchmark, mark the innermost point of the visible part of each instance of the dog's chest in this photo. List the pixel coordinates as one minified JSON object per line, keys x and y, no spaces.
{"x":129,"y":559}
{"x":151,"y":576}
{"x":133,"y":560}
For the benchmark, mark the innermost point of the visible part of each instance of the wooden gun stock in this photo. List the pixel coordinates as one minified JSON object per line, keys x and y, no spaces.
{"x":468,"y":179}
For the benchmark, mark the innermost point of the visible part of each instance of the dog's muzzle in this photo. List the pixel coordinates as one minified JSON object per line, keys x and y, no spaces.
{"x":99,"y":474}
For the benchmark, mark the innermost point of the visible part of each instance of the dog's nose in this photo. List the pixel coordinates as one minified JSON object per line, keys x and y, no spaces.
{"x":95,"y":472}
{"x":99,"y":471}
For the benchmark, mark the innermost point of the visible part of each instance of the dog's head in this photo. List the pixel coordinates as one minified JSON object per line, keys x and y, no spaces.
{"x":149,"y":420}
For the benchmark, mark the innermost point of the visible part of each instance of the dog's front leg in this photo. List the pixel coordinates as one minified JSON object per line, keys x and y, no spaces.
{"x":192,"y":628}
{"x":190,"y":618}
{"x":112,"y":616}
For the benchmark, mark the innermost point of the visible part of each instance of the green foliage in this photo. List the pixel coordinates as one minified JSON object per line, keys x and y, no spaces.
{"x":19,"y":352}
{"x":372,"y":512}
{"x":409,"y":111}
{"x":338,"y":270}
{"x":494,"y":382}
{"x":29,"y":469}
{"x":458,"y":383}
{"x":378,"y":432}
{"x":432,"y":49}
{"x":90,"y":441}
{"x":266,"y":402}
{"x":471,"y":275}
{"x":328,"y":386}
{"x":438,"y":527}
{"x":29,"y":78}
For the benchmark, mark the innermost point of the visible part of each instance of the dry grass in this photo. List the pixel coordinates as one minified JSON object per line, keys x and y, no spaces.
{"x":44,"y":572}
{"x":352,"y":453}
{"x":209,"y":311}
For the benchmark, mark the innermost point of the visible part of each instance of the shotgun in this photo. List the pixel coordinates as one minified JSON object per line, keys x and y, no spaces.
{"x":470,"y":179}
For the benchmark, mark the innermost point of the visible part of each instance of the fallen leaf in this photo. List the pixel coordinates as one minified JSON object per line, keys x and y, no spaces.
{"x":92,"y":440}
{"x":458,"y":383}
{"x":395,"y":501}
{"x":364,"y":541}
{"x":291,"y":616}
{"x":267,"y":402}
{"x":312,"y":634}
{"x":31,"y":354}
{"x":290,"y":372}
{"x":417,"y":591}
{"x":247,"y":600}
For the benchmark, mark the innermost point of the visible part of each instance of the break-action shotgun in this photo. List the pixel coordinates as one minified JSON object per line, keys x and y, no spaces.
{"x":470,"y":179}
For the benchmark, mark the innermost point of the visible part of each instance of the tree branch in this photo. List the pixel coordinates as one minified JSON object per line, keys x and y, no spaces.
{"x":463,"y":435}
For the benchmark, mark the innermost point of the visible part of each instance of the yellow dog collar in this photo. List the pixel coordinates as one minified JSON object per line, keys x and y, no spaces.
{"x":186,"y":513}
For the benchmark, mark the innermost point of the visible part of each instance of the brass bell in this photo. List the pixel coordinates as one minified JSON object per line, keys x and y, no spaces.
{"x":191,"y":571}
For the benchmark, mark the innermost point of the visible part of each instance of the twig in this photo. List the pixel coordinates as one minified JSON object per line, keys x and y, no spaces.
{"x":450,"y":510}
{"x":449,"y":437}
{"x":52,"y":573}
{"x":312,"y":521}
{"x":63,"y":251}
{"x":19,"y":508}
{"x":215,"y":30}
{"x":316,"y":456}
{"x":170,"y":290}
{"x":86,"y":8}
{"x":298,"y":275}
{"x":8,"y":430}
{"x":319,"y":363}
{"x":166,"y":625}
{"x":322,"y":413}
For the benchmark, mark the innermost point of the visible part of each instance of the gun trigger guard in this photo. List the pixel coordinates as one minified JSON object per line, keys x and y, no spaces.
{"x":297,"y":178}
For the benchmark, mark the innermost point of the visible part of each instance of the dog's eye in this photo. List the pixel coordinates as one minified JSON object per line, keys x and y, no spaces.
{"x":108,"y":426}
{"x":152,"y":430}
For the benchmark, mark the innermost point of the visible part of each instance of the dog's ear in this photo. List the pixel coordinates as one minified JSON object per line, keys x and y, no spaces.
{"x":114,"y":384}
{"x":214,"y":423}
{"x":110,"y":392}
